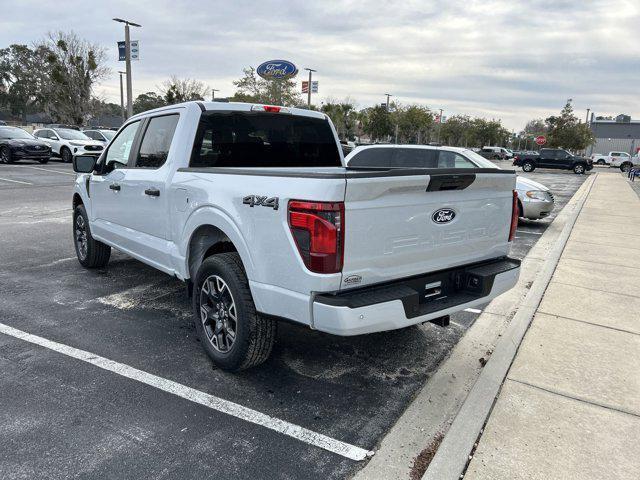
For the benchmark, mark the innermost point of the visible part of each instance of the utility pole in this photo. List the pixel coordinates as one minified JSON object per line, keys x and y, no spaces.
{"x":587,"y":119}
{"x":439,"y":125}
{"x":388,"y":95}
{"x":213,"y":94}
{"x":127,"y":44}
{"x":309,"y":91}
{"x":124,"y":116}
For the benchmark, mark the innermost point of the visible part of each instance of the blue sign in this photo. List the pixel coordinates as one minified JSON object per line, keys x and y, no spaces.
{"x":277,"y":70}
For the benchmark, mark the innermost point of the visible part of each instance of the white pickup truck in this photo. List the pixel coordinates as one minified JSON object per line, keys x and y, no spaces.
{"x":621,"y":160}
{"x":252,"y":206}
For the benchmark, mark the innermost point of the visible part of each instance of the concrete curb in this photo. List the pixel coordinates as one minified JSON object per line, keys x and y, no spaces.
{"x":452,"y":456}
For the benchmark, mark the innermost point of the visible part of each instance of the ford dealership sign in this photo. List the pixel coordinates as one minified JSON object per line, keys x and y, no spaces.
{"x":277,"y":70}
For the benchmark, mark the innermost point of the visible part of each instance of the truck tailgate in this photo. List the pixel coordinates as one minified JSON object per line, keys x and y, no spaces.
{"x":399,"y":226}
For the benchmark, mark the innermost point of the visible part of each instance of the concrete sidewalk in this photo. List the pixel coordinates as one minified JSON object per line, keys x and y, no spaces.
{"x":570,"y":405}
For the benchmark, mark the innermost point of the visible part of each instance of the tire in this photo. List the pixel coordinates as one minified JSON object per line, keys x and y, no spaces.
{"x":5,"y":155}
{"x":579,"y":169}
{"x":600,"y":162}
{"x":66,"y":155}
{"x":227,"y":293}
{"x":93,"y":254}
{"x":625,"y":167}
{"x":44,"y":161}
{"x":528,"y":167}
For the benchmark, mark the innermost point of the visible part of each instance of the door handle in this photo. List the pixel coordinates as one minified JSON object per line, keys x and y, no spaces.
{"x":115,"y":186}
{"x":152,"y":192}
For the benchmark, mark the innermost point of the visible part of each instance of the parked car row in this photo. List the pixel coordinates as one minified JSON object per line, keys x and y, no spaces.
{"x":59,"y":141}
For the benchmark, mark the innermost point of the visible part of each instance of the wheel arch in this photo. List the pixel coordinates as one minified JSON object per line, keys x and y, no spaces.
{"x":206,"y":240}
{"x":77,"y":200}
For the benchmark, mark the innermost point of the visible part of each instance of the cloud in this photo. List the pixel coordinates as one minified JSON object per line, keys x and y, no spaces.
{"x":493,"y":58}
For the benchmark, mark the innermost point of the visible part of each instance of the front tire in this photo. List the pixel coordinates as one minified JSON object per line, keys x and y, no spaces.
{"x":578,"y":169}
{"x":528,"y":167}
{"x":600,"y":162}
{"x":90,"y":252}
{"x":625,"y":167}
{"x":233,"y":334}
{"x":66,"y":155}
{"x":44,"y":161}
{"x":5,"y":155}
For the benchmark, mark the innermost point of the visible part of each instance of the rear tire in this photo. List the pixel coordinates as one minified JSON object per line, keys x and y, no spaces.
{"x":578,"y":169}
{"x":600,"y":162}
{"x":232,"y":343}
{"x":528,"y":167}
{"x":66,"y":155}
{"x":90,"y":252}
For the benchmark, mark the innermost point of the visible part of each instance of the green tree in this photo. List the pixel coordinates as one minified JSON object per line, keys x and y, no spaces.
{"x":74,"y":66}
{"x":254,"y":89}
{"x":458,"y":131}
{"x":147,"y":101}
{"x":344,"y":117}
{"x":376,"y":122}
{"x":23,"y":76}
{"x":178,"y":90}
{"x":566,"y":131}
{"x":414,"y":123}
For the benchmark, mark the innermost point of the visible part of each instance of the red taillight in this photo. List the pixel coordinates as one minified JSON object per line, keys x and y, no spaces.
{"x":514,"y":216}
{"x":271,"y":108}
{"x":318,"y":230}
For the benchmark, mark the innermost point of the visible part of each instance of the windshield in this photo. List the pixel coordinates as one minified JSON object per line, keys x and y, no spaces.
{"x":479,"y":160}
{"x":108,"y":134}
{"x":68,"y":134}
{"x":14,"y":133}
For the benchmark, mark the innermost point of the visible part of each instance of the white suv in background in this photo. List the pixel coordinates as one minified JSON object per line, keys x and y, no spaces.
{"x":100,"y":135}
{"x":66,"y":142}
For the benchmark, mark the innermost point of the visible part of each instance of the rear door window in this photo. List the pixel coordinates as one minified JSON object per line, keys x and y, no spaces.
{"x":255,"y":139}
{"x":156,"y":141}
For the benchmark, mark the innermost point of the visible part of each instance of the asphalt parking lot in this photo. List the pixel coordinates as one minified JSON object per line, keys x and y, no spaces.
{"x":62,"y":417}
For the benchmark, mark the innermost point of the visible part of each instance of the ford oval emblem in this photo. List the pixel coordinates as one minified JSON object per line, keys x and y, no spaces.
{"x":277,"y":70}
{"x":444,"y":215}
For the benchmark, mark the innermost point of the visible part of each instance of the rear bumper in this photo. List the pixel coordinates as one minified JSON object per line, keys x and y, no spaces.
{"x":401,"y":304}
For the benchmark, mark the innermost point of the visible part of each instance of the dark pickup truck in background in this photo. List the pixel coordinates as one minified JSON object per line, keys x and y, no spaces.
{"x":557,"y":158}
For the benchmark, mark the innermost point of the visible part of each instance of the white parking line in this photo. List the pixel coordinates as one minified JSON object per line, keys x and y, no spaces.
{"x":15,"y":181}
{"x":529,"y":232}
{"x":472,"y":310}
{"x":47,"y":170}
{"x":230,"y":408}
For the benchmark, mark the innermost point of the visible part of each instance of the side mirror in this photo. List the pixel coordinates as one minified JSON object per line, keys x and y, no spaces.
{"x":84,"y":163}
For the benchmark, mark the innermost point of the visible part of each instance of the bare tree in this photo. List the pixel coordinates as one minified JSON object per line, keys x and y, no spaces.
{"x":75,"y":66}
{"x":178,"y":90}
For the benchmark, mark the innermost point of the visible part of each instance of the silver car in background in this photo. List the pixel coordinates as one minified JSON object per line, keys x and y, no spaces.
{"x":535,"y":201}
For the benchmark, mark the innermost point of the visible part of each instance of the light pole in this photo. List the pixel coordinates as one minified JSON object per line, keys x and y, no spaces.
{"x":124,"y":116}
{"x":439,"y":125}
{"x":127,"y":50}
{"x":309,"y":91}
{"x":388,"y":95}
{"x":213,"y":93}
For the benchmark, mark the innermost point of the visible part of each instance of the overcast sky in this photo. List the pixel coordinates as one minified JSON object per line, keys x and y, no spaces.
{"x":506,"y":59}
